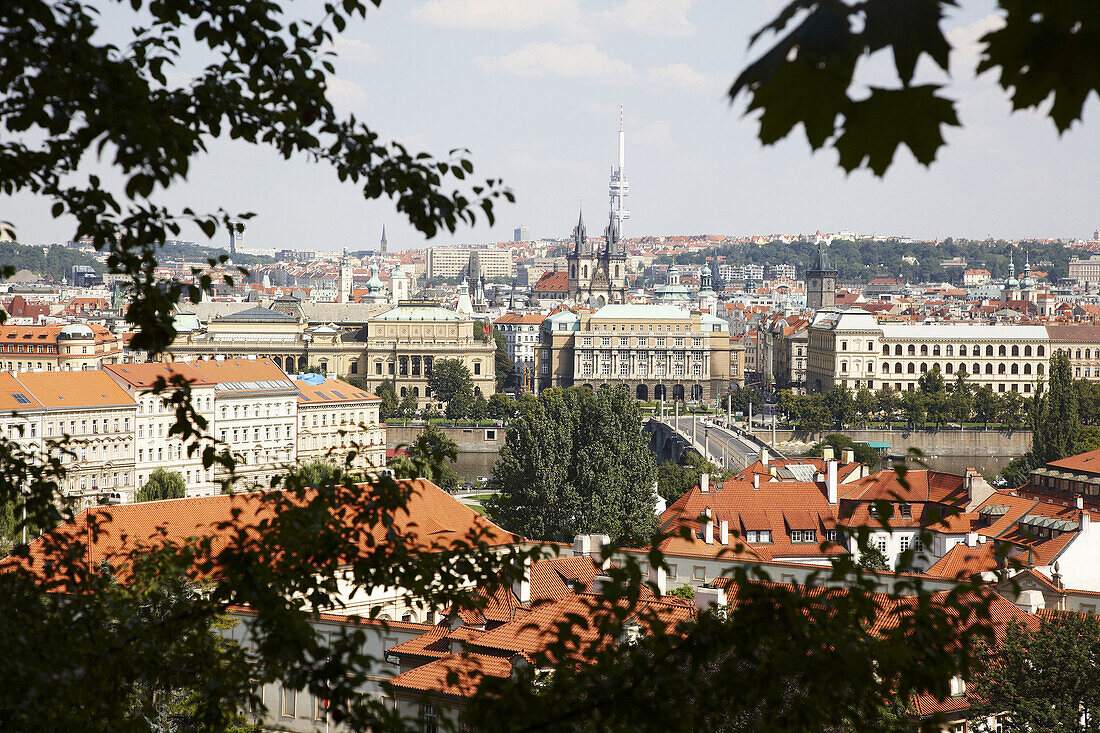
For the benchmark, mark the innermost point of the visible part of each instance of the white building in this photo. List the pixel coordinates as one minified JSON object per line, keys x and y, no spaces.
{"x":156,"y":448}
{"x":852,"y":348}
{"x":521,"y":335}
{"x":335,"y":418}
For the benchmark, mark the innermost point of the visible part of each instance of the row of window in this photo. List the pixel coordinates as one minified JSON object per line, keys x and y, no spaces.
{"x":94,"y":426}
{"x":641,"y":341}
{"x":269,"y":409}
{"x":949,"y":350}
{"x":241,"y":434}
{"x":29,"y":349}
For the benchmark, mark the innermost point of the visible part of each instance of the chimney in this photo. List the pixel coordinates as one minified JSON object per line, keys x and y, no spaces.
{"x":1086,"y":520}
{"x":756,"y":482}
{"x":971,"y":539}
{"x":1079,"y":502}
{"x":600,"y":583}
{"x":704,"y":482}
{"x":658,"y":578}
{"x":848,"y":456}
{"x":708,"y":527}
{"x":708,"y":598}
{"x":600,"y":548}
{"x":827,"y":453}
{"x":830,"y":482}
{"x":522,"y":586}
{"x":724,"y":532}
{"x":764,"y":457}
{"x":582,"y":545}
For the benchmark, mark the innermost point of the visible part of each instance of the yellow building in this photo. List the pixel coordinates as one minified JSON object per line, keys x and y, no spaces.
{"x":659,"y":351}
{"x":75,"y":346}
{"x":333,"y":417}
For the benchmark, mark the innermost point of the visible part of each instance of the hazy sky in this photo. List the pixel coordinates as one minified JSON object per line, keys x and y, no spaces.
{"x":533,"y":87}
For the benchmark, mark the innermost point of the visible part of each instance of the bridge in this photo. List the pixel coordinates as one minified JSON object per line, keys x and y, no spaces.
{"x":711,"y":438}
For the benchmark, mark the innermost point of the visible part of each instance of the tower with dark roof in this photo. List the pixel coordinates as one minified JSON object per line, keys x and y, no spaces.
{"x":382,"y":245}
{"x":821,"y":282}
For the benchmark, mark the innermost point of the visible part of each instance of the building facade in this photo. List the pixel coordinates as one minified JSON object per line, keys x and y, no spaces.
{"x":521,"y":334}
{"x":55,"y":348}
{"x":821,"y":282}
{"x":335,"y":418}
{"x":659,"y":351}
{"x":853,"y":349}
{"x":1086,"y":271}
{"x":597,"y":272}
{"x":156,"y":448}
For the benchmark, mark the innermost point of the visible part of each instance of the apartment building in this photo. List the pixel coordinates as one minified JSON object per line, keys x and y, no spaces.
{"x":521,"y":335}
{"x":20,"y":414}
{"x":334,"y":418}
{"x":255,"y":415}
{"x":852,"y":348}
{"x":495,"y":262}
{"x":446,"y":262}
{"x":660,"y":351}
{"x":1086,"y":271}
{"x":156,"y":447}
{"x":98,"y":417}
{"x":52,"y":348}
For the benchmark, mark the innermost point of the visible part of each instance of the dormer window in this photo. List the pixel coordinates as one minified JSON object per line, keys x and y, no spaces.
{"x":905,"y":510}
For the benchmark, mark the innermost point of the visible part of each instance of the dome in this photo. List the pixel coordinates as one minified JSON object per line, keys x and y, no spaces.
{"x":76,"y":331}
{"x":707,"y":270}
{"x":1012,"y":282}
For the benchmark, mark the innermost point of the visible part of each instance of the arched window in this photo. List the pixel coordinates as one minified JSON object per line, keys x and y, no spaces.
{"x":1027,"y":369}
{"x":924,"y":349}
{"x":1040,"y":368}
{"x":416,"y":391}
{"x":912,"y":351}
{"x":1000,"y":368}
{"x":897,"y":368}
{"x":1015,"y":350}
{"x":936,"y":350}
{"x":1078,"y":354}
{"x":912,"y":368}
{"x":1027,"y":351}
{"x":885,"y":350}
{"x":989,"y":351}
{"x":584,"y":271}
{"x":1015,"y":368}
{"x":403,"y":391}
{"x":989,"y":368}
{"x":950,"y":350}
{"x":1088,"y":353}
{"x":886,"y":367}
{"x":1040,"y":351}
{"x":923,"y":368}
{"x":897,"y":350}
{"x":977,"y":368}
{"x":950,"y":368}
{"x":962,"y":350}
{"x":1001,"y":351}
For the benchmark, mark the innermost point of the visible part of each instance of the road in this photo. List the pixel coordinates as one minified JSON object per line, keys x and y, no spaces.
{"x":725,"y":445}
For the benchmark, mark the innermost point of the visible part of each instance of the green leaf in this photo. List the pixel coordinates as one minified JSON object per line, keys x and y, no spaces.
{"x":876,"y":126}
{"x":1047,"y":49}
{"x":910,"y":28}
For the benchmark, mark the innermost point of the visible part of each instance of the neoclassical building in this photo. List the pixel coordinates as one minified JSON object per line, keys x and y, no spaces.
{"x":388,"y":343}
{"x":852,"y":348}
{"x":660,"y":351}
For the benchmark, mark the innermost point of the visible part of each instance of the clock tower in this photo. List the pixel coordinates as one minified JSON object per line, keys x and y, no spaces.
{"x":821,"y":282}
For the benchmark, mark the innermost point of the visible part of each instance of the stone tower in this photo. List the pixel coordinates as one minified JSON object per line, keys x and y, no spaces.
{"x":821,"y":282}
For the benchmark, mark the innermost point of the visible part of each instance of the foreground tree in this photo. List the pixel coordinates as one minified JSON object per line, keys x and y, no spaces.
{"x":162,"y":485}
{"x":574,"y":462}
{"x":675,"y":479}
{"x":1046,"y":678}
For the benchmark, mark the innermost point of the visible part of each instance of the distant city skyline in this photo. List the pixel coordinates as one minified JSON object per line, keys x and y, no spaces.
{"x":533,"y":89}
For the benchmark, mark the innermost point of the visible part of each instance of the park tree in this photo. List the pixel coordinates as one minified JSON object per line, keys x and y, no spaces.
{"x":479,"y":408}
{"x":1055,"y":415}
{"x":389,"y":405}
{"x":864,"y":453}
{"x":865,"y":404}
{"x":675,"y":478}
{"x":501,"y":407}
{"x":986,"y":404}
{"x":505,"y":367}
{"x":788,"y":406}
{"x":574,"y":461}
{"x":450,"y":380}
{"x":162,"y":484}
{"x":1046,"y":677}
{"x":888,"y":403}
{"x":914,"y":407}
{"x":813,"y":413}
{"x":962,"y":400}
{"x":430,"y":456}
{"x":841,"y":406}
{"x":931,"y":382}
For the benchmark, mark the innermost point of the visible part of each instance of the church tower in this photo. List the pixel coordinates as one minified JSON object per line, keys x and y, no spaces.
{"x":382,"y":245}
{"x":821,"y":282}
{"x":582,"y":263}
{"x":345,"y":280}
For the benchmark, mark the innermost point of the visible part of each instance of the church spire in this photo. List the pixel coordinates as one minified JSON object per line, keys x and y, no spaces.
{"x":382,"y":246}
{"x":580,"y":235}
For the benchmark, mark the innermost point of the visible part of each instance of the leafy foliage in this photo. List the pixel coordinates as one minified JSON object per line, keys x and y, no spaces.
{"x":1041,"y":679}
{"x":54,"y":263}
{"x":450,"y":382}
{"x":675,"y":479}
{"x":505,"y":367}
{"x":430,"y":456}
{"x":864,"y":453}
{"x":162,"y":485}
{"x":809,"y":76}
{"x":575,"y":462}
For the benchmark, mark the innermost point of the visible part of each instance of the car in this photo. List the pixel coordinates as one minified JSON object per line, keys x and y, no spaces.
{"x":468,"y":486}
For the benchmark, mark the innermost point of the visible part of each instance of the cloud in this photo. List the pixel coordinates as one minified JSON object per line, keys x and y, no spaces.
{"x":352,"y":49}
{"x":498,"y":15}
{"x":683,"y":77}
{"x":344,"y":93}
{"x":657,"y":134}
{"x":581,"y":61}
{"x":966,"y":42}
{"x":661,"y":18}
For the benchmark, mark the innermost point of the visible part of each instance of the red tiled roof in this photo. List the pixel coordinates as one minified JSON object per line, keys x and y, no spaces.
{"x":553,"y":282}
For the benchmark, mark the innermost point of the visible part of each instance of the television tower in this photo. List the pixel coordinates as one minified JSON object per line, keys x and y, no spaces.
{"x":618,"y":187}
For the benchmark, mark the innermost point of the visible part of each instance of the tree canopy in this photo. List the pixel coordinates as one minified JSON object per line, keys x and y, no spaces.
{"x":162,"y":485}
{"x":574,"y":462}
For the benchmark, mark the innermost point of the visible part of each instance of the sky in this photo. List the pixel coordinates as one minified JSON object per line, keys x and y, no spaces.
{"x":533,"y":88}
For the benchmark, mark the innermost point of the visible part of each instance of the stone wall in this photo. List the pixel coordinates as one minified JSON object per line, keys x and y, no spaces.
{"x":477,"y":447}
